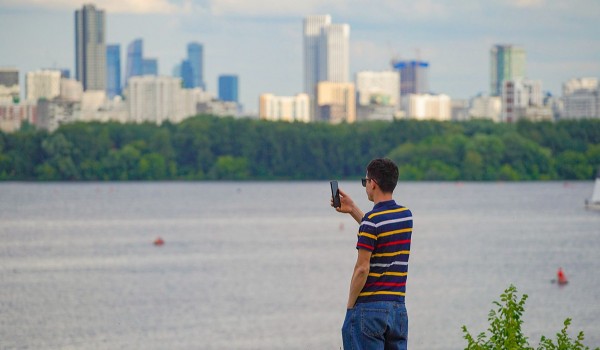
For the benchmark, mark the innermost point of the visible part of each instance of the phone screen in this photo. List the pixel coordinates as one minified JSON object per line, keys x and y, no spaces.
{"x":335,"y":194}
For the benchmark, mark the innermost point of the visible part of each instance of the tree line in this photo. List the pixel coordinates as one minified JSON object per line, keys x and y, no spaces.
{"x":215,"y":148}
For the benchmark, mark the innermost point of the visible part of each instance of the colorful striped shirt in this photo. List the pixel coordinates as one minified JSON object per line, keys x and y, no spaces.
{"x":386,"y":232}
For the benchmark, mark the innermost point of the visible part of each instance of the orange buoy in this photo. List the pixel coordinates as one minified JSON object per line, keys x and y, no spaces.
{"x":159,"y":241}
{"x":561,"y":278}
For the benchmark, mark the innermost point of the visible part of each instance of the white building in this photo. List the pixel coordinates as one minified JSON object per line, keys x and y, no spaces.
{"x":378,"y":95}
{"x":191,"y":98}
{"x":154,"y":99}
{"x":381,"y":88}
{"x":70,"y":90}
{"x":523,"y":99}
{"x":42,"y":84}
{"x":12,"y":115}
{"x":285,"y":108}
{"x":460,"y":109}
{"x":581,"y":98}
{"x":486,"y":107}
{"x":426,"y":106}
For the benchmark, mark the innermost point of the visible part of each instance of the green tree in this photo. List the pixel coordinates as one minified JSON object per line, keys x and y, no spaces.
{"x":230,"y":168}
{"x":573,"y":166}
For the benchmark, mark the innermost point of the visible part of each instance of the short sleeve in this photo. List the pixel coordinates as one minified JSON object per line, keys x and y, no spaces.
{"x":367,"y":235}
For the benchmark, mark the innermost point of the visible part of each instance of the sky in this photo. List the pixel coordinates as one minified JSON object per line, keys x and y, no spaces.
{"x":261,"y":40}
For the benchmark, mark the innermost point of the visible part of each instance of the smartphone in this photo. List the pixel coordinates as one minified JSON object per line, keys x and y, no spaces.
{"x":335,"y":194}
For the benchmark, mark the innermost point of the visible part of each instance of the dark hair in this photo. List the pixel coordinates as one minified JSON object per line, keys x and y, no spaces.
{"x":384,"y":172}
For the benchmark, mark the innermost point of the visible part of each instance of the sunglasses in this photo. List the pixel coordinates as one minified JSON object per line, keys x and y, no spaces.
{"x":364,"y":181}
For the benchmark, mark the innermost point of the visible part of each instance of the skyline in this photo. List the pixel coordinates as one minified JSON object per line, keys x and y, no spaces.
{"x":261,"y":40}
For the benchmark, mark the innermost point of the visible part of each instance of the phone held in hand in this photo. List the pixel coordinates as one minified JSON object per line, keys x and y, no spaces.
{"x":335,"y":194}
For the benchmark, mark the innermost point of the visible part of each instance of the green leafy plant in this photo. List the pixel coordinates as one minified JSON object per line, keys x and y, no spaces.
{"x":505,"y":329}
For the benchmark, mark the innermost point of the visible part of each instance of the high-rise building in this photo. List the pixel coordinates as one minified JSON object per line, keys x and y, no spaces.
{"x":195,"y":56}
{"x":149,"y":66}
{"x":90,"y":48}
{"x":136,"y":63}
{"x":9,"y":85}
{"x":135,"y":59}
{"x":507,"y":62}
{"x":326,"y":52}
{"x":334,"y":53}
{"x":414,"y":76}
{"x":113,"y":70}
{"x":523,"y":99}
{"x":228,"y":88}
{"x":312,"y":37}
{"x":154,"y":99}
{"x":377,"y":95}
{"x":42,"y":84}
{"x":581,"y":98}
{"x":186,"y":73}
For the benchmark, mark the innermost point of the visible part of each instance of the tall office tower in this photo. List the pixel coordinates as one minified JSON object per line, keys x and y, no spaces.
{"x":334,"y":53}
{"x":90,"y":48}
{"x":228,"y":88}
{"x":9,"y":85}
{"x":187,"y":74}
{"x":195,"y":56}
{"x":414,"y":76}
{"x":135,"y":59}
{"x":507,"y":62}
{"x":113,"y":70}
{"x":312,"y":39}
{"x":149,"y":66}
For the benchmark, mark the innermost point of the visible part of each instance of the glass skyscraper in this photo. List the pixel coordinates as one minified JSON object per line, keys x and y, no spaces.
{"x":90,"y":48}
{"x":136,"y":63}
{"x":228,"y":88}
{"x":195,"y":58}
{"x":134,"y":59}
{"x":507,"y":62}
{"x":149,"y":66}
{"x":113,"y":70}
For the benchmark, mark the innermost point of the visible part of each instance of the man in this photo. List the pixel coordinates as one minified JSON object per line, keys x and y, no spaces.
{"x":376,"y":316}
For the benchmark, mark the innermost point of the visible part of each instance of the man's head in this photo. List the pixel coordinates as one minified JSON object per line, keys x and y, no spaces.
{"x":384,"y":172}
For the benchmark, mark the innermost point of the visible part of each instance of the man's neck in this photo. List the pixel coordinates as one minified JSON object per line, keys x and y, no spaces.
{"x":382,"y":197}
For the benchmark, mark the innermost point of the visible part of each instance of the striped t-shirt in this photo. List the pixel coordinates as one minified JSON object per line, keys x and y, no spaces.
{"x":386,"y":232}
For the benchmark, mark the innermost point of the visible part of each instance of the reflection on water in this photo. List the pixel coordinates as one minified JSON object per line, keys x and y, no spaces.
{"x":267,"y":265}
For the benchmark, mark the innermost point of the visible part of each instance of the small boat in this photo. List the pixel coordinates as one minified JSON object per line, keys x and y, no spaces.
{"x":594,"y":202}
{"x":159,"y":241}
{"x":561,"y":278}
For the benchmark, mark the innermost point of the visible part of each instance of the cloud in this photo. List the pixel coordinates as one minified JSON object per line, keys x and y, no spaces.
{"x":112,"y":6}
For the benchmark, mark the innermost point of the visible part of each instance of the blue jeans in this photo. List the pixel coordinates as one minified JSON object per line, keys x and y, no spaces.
{"x":376,"y":325}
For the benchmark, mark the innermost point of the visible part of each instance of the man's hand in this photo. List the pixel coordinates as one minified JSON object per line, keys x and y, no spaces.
{"x":347,"y":206}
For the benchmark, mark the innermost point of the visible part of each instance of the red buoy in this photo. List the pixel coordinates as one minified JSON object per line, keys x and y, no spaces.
{"x":561,"y":278}
{"x":159,"y":241}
